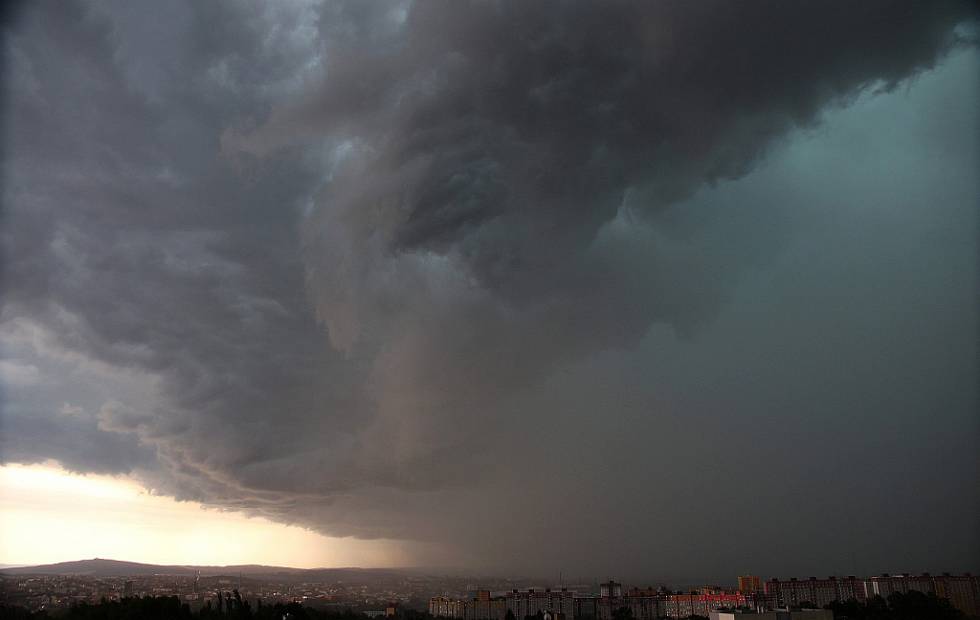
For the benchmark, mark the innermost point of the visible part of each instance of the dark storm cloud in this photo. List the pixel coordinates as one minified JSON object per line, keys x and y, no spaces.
{"x":358,"y":251}
{"x":501,"y":138}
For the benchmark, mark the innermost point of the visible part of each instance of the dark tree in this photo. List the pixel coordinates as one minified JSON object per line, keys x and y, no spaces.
{"x":623,"y":613}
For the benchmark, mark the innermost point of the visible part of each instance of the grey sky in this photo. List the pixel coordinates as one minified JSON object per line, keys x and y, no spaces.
{"x":650,"y":290}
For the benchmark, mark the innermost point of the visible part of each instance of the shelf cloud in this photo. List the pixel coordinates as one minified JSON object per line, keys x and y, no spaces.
{"x":508,"y":277}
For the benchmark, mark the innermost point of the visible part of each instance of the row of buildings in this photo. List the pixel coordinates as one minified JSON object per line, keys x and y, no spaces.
{"x":563,"y":604}
{"x":963,"y":592}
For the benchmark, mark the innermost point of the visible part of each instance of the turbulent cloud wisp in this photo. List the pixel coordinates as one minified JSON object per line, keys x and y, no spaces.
{"x":324,"y":263}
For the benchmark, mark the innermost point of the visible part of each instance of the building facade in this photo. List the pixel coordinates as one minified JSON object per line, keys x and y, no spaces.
{"x":684,"y":605}
{"x":749,"y":584}
{"x":962,"y":591}
{"x":531,"y":602}
{"x":820,"y":592}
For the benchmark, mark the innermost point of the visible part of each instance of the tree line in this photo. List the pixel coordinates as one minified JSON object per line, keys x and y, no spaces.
{"x":231,"y":606}
{"x":228,"y":606}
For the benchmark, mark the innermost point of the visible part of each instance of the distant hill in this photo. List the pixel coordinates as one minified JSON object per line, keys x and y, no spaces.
{"x":115,"y":568}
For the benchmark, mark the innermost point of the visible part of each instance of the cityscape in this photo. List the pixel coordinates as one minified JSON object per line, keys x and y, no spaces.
{"x":374,"y":593}
{"x":397,"y":592}
{"x":750,"y":595}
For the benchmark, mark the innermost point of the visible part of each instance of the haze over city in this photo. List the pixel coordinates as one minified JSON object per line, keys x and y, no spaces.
{"x":576,"y":290}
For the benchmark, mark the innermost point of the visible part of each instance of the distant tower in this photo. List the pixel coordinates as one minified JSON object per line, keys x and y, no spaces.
{"x":749,"y":584}
{"x":197,"y":581}
{"x":611,"y":589}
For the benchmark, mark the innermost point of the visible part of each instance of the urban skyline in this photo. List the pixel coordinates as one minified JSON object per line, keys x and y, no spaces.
{"x":61,"y":586}
{"x":603,"y":602}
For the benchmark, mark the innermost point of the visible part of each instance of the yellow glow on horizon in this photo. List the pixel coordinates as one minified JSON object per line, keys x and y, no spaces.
{"x":50,"y":515}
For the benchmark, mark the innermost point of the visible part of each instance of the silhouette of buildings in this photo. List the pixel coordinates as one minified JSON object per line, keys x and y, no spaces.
{"x":763,"y":599}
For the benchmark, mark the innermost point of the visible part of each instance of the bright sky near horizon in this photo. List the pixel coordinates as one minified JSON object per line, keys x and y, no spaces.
{"x":114,"y":517}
